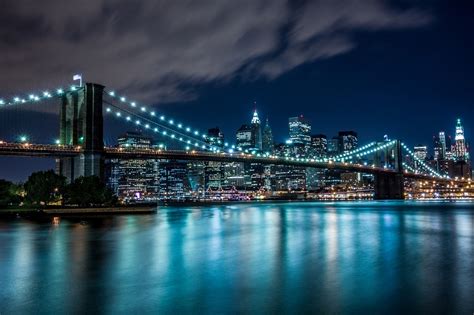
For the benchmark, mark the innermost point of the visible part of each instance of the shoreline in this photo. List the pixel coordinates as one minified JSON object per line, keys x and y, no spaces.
{"x":151,"y":208}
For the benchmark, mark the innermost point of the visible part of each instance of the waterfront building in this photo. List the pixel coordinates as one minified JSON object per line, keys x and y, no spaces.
{"x":173,"y":180}
{"x":234,"y":175}
{"x":214,"y":174}
{"x":134,"y":180}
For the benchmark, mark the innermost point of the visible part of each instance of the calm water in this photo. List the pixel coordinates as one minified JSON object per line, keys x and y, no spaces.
{"x":268,"y":258}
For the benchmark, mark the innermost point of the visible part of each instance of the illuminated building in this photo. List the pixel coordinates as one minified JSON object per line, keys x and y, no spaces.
{"x":173,"y":181}
{"x":245,"y":139}
{"x":347,"y":141}
{"x":442,"y":141}
{"x":437,"y":148}
{"x":421,"y":152}
{"x":134,"y":180}
{"x":319,"y":146}
{"x":460,"y":148}
{"x":215,"y":138}
{"x":333,"y":146}
{"x":249,"y":137}
{"x":267,"y":141}
{"x":300,"y":130}
{"x":257,"y":130}
{"x":214,"y":174}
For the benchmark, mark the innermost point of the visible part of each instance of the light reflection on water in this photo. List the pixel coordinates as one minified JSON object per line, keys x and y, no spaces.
{"x":284,"y":257}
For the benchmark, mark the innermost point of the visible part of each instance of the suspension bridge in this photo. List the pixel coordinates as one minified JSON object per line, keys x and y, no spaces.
{"x":80,"y":148}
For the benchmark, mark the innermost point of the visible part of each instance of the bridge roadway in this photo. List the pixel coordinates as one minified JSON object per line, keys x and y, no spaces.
{"x":58,"y":151}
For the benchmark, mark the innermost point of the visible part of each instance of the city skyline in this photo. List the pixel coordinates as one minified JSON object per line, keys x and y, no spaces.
{"x":402,"y":62}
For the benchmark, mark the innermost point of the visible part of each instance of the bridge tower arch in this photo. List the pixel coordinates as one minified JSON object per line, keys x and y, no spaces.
{"x":82,"y":124}
{"x":391,"y":185}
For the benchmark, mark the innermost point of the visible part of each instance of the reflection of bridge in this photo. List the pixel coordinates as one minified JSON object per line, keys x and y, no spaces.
{"x":82,"y":153}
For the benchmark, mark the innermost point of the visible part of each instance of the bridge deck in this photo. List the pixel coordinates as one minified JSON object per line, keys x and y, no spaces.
{"x":58,"y":151}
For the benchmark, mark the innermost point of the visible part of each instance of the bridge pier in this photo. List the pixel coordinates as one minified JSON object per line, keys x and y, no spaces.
{"x":389,"y":186}
{"x":81,"y":124}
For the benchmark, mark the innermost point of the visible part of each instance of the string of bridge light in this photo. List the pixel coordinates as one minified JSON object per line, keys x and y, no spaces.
{"x":127,"y":116}
{"x":163,"y":118}
{"x":363,"y":151}
{"x":429,"y":169}
{"x":150,"y":121}
{"x":349,"y":155}
{"x":410,"y":168}
{"x":37,"y":97}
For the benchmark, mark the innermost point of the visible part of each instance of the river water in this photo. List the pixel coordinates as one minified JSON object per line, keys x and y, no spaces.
{"x":296,"y":257}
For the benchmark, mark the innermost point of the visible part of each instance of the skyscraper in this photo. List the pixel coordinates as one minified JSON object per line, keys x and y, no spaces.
{"x":245,"y":139}
{"x":215,"y":138}
{"x":347,"y":141}
{"x":249,"y":137}
{"x":460,"y":147}
{"x":437,"y":148}
{"x":333,"y":146}
{"x":135,"y":179}
{"x":442,"y":141}
{"x":257,"y":129}
{"x":267,"y":141}
{"x":319,"y":145}
{"x":300,"y":130}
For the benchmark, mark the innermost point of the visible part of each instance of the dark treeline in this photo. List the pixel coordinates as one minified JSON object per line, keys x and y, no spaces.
{"x":46,"y":188}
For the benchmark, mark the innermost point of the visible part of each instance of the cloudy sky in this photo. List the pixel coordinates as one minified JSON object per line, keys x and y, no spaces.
{"x":345,"y":64}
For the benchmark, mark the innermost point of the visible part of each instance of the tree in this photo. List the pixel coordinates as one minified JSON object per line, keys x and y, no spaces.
{"x":44,"y":187}
{"x":88,"y":191}
{"x":9,"y":193}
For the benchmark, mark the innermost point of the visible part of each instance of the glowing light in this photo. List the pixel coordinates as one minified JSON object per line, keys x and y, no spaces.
{"x":23,"y":138}
{"x":60,"y":91}
{"x":123,"y":99}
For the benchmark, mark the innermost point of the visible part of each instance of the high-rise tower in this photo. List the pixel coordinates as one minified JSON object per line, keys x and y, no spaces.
{"x":460,"y":148}
{"x":267,"y":141}
{"x":257,"y":129}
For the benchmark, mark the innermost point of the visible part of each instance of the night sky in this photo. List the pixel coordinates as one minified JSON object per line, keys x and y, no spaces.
{"x":402,"y":68}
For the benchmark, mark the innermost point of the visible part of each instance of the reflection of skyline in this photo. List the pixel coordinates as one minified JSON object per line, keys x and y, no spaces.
{"x":269,"y":256}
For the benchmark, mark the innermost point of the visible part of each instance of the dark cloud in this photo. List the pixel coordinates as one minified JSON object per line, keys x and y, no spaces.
{"x":160,"y":48}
